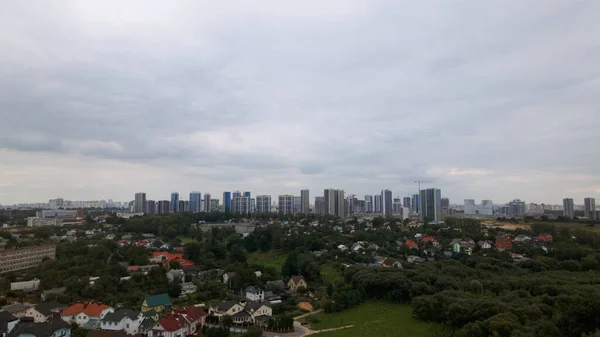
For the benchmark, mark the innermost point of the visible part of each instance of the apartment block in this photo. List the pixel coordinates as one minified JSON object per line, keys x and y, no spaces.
{"x":25,"y":258}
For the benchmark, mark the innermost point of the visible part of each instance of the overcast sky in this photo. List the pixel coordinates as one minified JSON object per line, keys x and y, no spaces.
{"x":487,"y":99}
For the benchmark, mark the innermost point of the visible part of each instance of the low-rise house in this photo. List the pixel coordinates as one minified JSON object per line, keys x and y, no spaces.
{"x":356,"y":247}
{"x":297,"y":282}
{"x":122,"y":320}
{"x":159,"y":303}
{"x":175,"y":274}
{"x":51,"y":294}
{"x":255,"y":294}
{"x":244,"y":312}
{"x":373,"y":246}
{"x":181,"y":322}
{"x":415,"y":259}
{"x":53,"y":328}
{"x":187,"y":288}
{"x":517,"y":257}
{"x":84,"y":312}
{"x":26,"y":286}
{"x":484,"y":245}
{"x":44,"y":311}
{"x":522,"y":238}
{"x":7,"y":322}
{"x":430,"y":239}
{"x":410,"y":244}
{"x":227,"y":277}
{"x":343,"y":248}
{"x":544,"y":238}
{"x":391,"y":263}
{"x":16,"y":309}
{"x":504,"y":243}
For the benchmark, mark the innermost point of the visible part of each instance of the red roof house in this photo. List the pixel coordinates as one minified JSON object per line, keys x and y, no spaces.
{"x":504,"y":243}
{"x":82,"y":312}
{"x":411,"y":244}
{"x":168,"y":257}
{"x":544,"y":237}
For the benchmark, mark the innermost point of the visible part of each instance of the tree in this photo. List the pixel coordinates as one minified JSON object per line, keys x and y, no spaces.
{"x":174,"y":264}
{"x":253,"y":331}
{"x":226,"y":321}
{"x":237,"y":254}
{"x":174,"y":289}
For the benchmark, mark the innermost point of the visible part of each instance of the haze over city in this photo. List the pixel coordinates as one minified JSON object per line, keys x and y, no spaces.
{"x":489,"y":100}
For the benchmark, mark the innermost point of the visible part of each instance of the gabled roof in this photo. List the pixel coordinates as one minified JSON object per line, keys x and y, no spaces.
{"x":172,"y":322}
{"x":45,"y":329}
{"x":49,"y":308}
{"x":253,"y":290}
{"x":91,"y":309}
{"x":241,"y":313}
{"x":192,"y":313}
{"x":297,"y":278}
{"x":57,"y":291}
{"x":5,"y":318}
{"x":251,"y":305}
{"x":225,"y":305}
{"x":158,"y":300}
{"x":119,"y":314}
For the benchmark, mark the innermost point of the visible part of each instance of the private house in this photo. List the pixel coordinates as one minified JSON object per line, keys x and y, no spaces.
{"x":182,"y":322}
{"x":544,"y":238}
{"x":175,"y":274}
{"x":343,"y":248}
{"x":356,"y":247}
{"x":43,"y":312}
{"x":522,"y":238}
{"x":17,"y":309}
{"x":227,"y":277}
{"x":164,"y":258}
{"x":504,"y":243}
{"x":52,"y":328}
{"x":244,"y":312}
{"x":122,"y":320}
{"x":415,"y":259}
{"x":159,"y":303}
{"x":255,"y":294}
{"x":187,"y":288}
{"x":410,"y":244}
{"x":51,"y":294}
{"x":297,"y":282}
{"x":430,"y":239}
{"x":83,"y":313}
{"x":7,"y":322}
{"x":484,"y":245}
{"x":391,"y":263}
{"x":199,"y":275}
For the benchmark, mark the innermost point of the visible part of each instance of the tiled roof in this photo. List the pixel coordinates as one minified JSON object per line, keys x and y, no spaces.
{"x":119,"y":314}
{"x":15,"y":308}
{"x":46,"y":329}
{"x":91,"y":309}
{"x":174,"y":257}
{"x":48,"y":308}
{"x":297,"y":278}
{"x":172,"y":322}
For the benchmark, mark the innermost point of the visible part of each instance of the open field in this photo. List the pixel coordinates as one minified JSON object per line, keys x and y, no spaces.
{"x":576,"y":225}
{"x":330,"y":275}
{"x":268,"y":259}
{"x":379,"y":319}
{"x":186,"y":239}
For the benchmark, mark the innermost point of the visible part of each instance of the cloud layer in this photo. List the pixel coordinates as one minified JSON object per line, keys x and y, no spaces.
{"x":494,"y":100}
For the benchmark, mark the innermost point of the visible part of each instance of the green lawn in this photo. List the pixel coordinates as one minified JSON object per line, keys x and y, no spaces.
{"x":186,"y":239}
{"x":376,"y":319}
{"x":268,"y":259}
{"x":330,"y":274}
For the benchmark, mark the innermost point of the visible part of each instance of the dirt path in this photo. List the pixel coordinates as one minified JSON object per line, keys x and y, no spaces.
{"x":314,"y":332}
{"x":307,"y":314}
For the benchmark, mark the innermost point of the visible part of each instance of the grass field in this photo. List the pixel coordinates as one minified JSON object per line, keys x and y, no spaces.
{"x":330,"y":275}
{"x":268,"y":259}
{"x":376,"y":319}
{"x":576,"y":225}
{"x":186,"y":239}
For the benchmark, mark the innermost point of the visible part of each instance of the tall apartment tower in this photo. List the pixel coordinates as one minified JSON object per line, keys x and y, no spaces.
{"x":386,"y":203}
{"x":377,"y":203}
{"x":304,"y":201}
{"x":226,"y":201}
{"x":174,"y":202}
{"x":406,"y":202}
{"x":369,"y":203}
{"x":195,"y":202}
{"x":339,"y":204}
{"x":589,"y":206}
{"x":286,"y":204}
{"x":445,"y":206}
{"x":207,"y":202}
{"x":150,"y":207}
{"x":431,"y":205}
{"x":415,"y":203}
{"x":263,"y":204}
{"x":139,"y":205}
{"x":240,"y":204}
{"x":568,"y":208}
{"x":334,"y":202}
{"x":319,"y":205}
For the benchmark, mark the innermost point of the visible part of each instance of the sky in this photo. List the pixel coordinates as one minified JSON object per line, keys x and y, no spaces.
{"x":485,"y":99}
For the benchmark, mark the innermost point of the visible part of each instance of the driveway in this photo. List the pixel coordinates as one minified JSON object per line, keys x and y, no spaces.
{"x":299,"y":331}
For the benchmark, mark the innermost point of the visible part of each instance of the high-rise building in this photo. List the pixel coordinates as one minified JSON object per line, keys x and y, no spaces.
{"x":286,"y":204}
{"x":263,"y":204}
{"x":206,"y":205}
{"x":226,"y":201}
{"x":174,"y":202}
{"x":214,"y":205}
{"x":150,"y":207}
{"x":195,"y":202}
{"x":471,"y":208}
{"x":297,"y":204}
{"x":240,"y":204}
{"x":589,"y":207}
{"x":247,"y":194}
{"x":445,"y":206}
{"x":319,"y":205}
{"x":386,"y":203}
{"x":406,"y":202}
{"x":431,"y":205}
{"x":139,"y":205}
{"x":339,"y":204}
{"x":163,"y":207}
{"x":184,"y":206}
{"x":369,"y":203}
{"x":568,"y":208}
{"x":377,"y":203}
{"x":304,"y":202}
{"x":516,"y":208}
{"x":329,"y":195}
{"x":236,"y":194}
{"x":397,"y":206}
{"x":415,"y":203}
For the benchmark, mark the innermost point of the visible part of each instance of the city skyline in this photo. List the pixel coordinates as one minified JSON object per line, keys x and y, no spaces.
{"x":279,"y":96}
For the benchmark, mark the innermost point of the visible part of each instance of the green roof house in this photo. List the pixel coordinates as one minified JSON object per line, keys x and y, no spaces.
{"x":159,"y":303}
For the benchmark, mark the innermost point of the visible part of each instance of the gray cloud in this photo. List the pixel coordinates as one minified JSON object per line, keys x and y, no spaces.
{"x":490,"y":100}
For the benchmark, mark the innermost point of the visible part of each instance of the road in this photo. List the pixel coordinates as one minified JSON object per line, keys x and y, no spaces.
{"x":301,"y":331}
